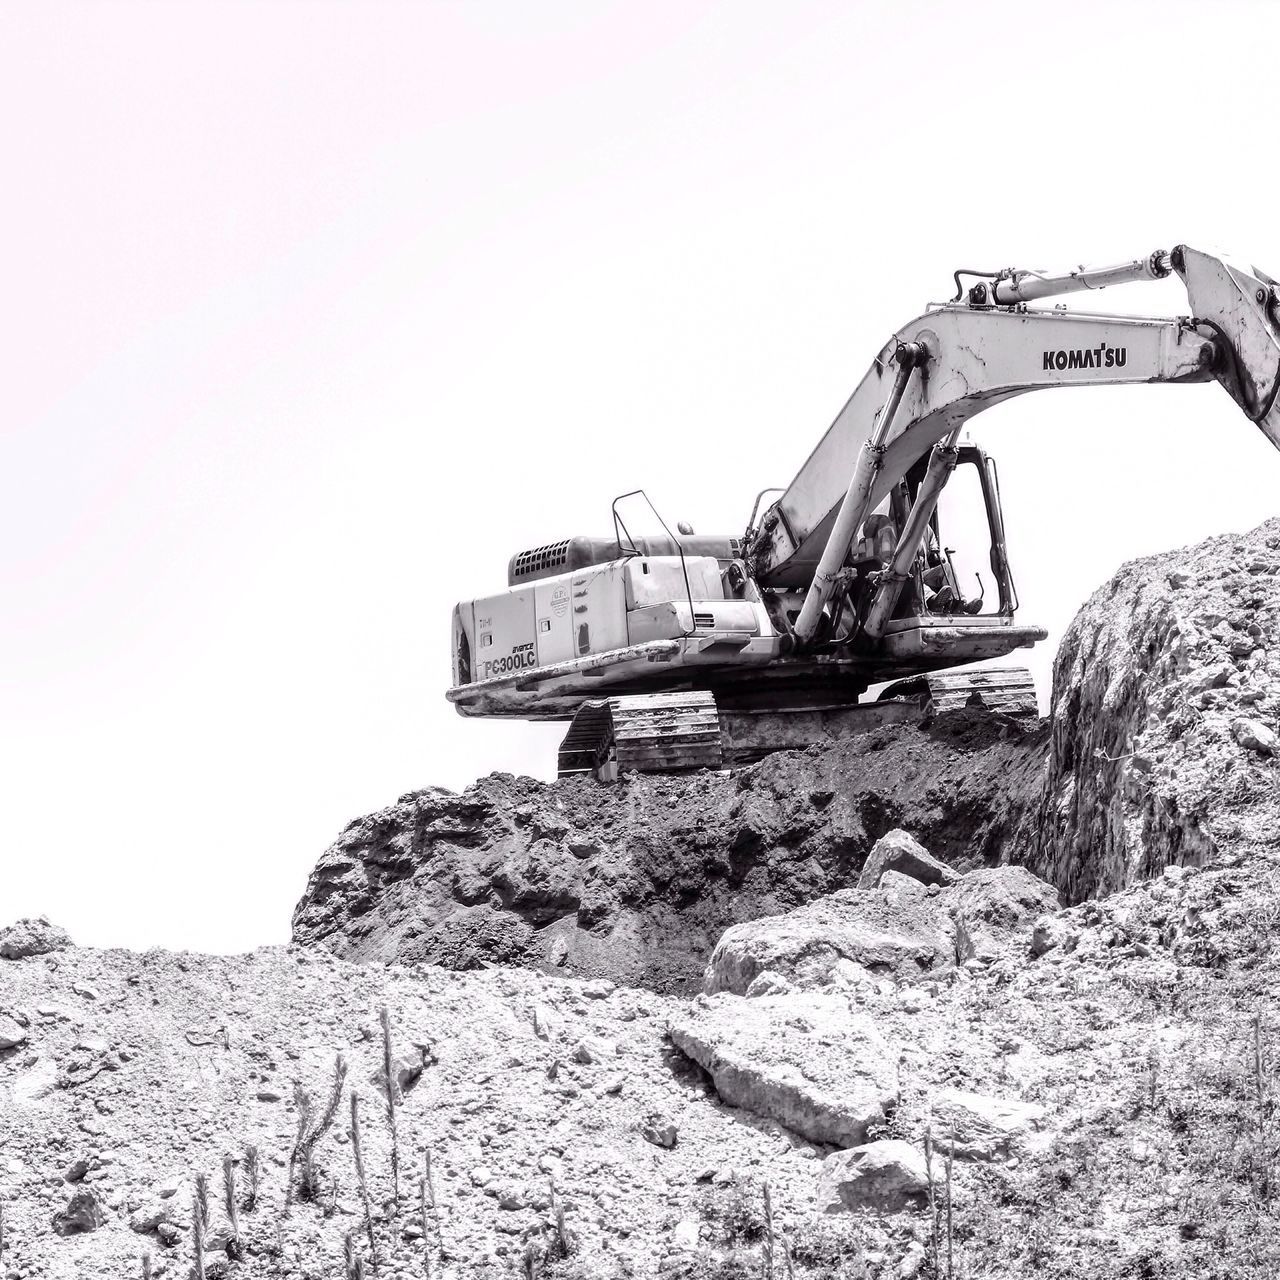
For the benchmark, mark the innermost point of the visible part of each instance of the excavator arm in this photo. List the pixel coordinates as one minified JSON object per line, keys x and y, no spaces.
{"x":956,"y":360}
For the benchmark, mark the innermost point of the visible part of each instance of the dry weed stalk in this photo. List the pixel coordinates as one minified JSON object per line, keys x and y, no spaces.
{"x":768,"y":1233}
{"x":146,"y":1266}
{"x":787,"y":1259}
{"x":250,"y":1178}
{"x":933,"y":1198}
{"x":390,"y":1082}
{"x":951,"y":1151}
{"x":199,"y":1221}
{"x":427,"y":1198}
{"x":563,"y":1240}
{"x":235,"y":1245}
{"x":357,"y":1151}
{"x":1,"y":1233}
{"x":312,"y":1128}
{"x":531,"y":1262}
{"x":354,"y":1264}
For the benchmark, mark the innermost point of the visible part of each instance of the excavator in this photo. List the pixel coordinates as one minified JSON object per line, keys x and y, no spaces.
{"x":669,"y":652}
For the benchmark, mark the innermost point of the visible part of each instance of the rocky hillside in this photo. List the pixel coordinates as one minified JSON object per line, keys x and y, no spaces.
{"x":637,"y":881}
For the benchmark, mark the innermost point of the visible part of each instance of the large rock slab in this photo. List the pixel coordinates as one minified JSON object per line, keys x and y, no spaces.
{"x":1166,"y":694}
{"x":805,"y":1060}
{"x":898,"y":930}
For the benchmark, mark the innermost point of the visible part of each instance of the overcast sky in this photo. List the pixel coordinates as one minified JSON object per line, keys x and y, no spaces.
{"x":314,"y":313}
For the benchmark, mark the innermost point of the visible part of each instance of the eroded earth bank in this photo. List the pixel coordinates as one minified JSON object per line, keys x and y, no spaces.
{"x":981,"y":998}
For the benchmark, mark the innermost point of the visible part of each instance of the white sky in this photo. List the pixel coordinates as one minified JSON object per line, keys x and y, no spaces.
{"x":314,"y":313}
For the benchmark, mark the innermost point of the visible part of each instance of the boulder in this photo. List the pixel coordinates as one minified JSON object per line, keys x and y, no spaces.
{"x":898,"y":851}
{"x":885,"y":1176}
{"x":995,"y":905}
{"x":981,"y":1127}
{"x":805,"y":1060}
{"x":32,"y":938}
{"x":897,"y":930}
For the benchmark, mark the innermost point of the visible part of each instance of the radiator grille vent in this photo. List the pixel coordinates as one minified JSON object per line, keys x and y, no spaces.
{"x":538,"y":559}
{"x":704,"y":620}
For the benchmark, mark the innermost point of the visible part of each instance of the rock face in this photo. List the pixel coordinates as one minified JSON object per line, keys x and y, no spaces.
{"x":1166,"y":699}
{"x":32,"y":938}
{"x":637,"y":881}
{"x":807,"y":1062}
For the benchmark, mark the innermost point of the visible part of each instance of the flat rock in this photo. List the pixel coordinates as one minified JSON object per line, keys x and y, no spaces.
{"x":32,"y":937}
{"x":804,"y":1060}
{"x":885,"y":1176}
{"x":897,"y":930}
{"x":898,"y":851}
{"x":11,"y":1034}
{"x":982,"y":1127}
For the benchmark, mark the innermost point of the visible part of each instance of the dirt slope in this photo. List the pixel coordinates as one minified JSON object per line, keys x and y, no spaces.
{"x":637,"y":881}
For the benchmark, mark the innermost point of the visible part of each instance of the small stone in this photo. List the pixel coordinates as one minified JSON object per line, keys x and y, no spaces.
{"x":557,"y":951}
{"x":269,"y":1095}
{"x":1253,"y":735}
{"x":481,"y":1176}
{"x":545,"y":1022}
{"x":660,"y":1131}
{"x":768,"y":983}
{"x":406,"y":1067}
{"x":83,"y":1213}
{"x":75,"y":1171}
{"x":685,"y":1235}
{"x":593,"y":1049}
{"x":598,"y":989}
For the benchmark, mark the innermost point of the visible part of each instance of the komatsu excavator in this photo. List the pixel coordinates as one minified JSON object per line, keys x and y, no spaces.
{"x":676,"y":652}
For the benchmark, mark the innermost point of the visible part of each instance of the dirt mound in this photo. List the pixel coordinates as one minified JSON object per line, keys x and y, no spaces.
{"x":1166,"y":697}
{"x":636,"y":881}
